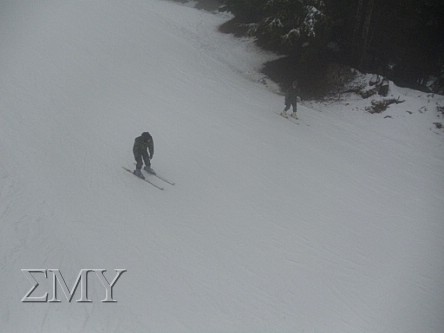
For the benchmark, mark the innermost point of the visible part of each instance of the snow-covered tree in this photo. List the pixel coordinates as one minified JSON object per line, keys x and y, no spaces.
{"x":283,"y":24}
{"x":366,"y":34}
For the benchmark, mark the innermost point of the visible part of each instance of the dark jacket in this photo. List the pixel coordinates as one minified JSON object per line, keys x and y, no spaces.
{"x":141,"y":144}
{"x":292,"y":94}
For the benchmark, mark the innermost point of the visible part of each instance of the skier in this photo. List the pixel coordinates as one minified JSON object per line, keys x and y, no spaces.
{"x":143,"y":150}
{"x":291,"y":99}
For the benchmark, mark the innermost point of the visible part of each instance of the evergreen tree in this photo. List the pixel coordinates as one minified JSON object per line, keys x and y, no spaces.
{"x":402,"y":39}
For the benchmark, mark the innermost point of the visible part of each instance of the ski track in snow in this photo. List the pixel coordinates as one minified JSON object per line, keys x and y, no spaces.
{"x":332,"y":225}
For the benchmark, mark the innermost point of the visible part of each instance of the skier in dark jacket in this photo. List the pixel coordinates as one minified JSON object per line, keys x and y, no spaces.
{"x":143,"y":150}
{"x":291,"y":100}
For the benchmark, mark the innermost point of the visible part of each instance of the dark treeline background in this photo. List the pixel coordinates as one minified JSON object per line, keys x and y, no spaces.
{"x":400,"y":39}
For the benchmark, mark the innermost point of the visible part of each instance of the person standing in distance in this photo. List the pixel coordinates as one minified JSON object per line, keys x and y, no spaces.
{"x":291,"y":100}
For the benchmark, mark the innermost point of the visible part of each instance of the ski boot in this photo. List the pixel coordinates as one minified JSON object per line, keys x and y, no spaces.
{"x":138,"y":173}
{"x":294,"y":115}
{"x":149,"y":170}
{"x":284,"y":114}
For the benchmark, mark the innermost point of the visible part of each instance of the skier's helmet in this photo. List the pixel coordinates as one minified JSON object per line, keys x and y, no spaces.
{"x":146,"y":135}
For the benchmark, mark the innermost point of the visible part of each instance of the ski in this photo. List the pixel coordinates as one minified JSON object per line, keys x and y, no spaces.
{"x":154,"y":173}
{"x":290,"y":118}
{"x":146,"y":180}
{"x":163,"y":179}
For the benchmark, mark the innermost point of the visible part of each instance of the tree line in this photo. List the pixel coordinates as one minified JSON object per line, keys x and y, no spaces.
{"x":400,"y":39}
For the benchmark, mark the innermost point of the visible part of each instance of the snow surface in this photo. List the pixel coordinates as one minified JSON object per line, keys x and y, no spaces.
{"x":332,"y":225}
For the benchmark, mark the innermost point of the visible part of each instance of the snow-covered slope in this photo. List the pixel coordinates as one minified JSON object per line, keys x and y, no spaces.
{"x":332,"y":225}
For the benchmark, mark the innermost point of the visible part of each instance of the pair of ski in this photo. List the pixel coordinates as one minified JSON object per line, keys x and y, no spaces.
{"x":293,"y":120}
{"x":289,"y":117}
{"x":149,"y":181}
